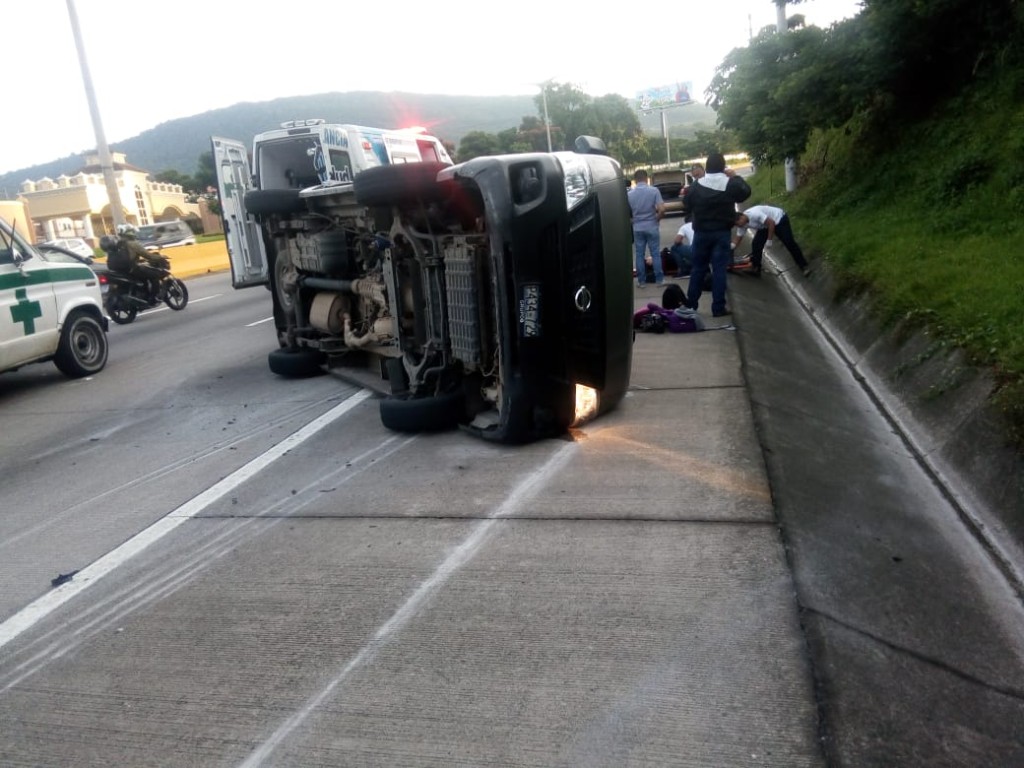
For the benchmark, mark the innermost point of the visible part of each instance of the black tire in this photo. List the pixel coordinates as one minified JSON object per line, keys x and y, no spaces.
{"x":176,"y":296}
{"x":82,"y":350}
{"x":264,"y":202}
{"x":119,"y":312}
{"x":284,"y":299}
{"x":423,"y":414}
{"x":298,"y":363}
{"x":388,"y":185}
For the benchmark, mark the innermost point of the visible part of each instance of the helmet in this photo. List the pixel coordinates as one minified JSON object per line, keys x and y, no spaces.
{"x":108,"y":243}
{"x":126,"y":230}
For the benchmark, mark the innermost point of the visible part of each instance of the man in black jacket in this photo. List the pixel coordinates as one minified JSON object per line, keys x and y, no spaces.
{"x":711,"y":202}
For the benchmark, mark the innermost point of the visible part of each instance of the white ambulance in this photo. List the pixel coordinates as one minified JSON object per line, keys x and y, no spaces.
{"x":312,"y":156}
{"x":49,"y":310}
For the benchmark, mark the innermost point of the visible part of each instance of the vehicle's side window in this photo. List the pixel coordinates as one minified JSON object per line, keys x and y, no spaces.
{"x":341,"y":166}
{"x":9,"y":249}
{"x":428,"y":152}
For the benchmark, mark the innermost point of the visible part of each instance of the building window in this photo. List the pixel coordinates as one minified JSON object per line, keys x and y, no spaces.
{"x":140,"y":204}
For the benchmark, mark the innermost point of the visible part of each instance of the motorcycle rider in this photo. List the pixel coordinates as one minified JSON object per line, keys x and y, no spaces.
{"x":126,"y":254}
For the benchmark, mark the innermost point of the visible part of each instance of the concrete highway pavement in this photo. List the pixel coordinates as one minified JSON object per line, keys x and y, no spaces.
{"x":743,"y":565}
{"x":914,"y":633}
{"x":899,"y":641}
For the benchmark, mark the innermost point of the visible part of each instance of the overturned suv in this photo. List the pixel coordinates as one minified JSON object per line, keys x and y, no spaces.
{"x":490,"y":295}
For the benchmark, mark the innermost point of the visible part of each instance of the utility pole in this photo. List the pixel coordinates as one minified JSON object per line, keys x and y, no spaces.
{"x":106,"y":162}
{"x":782,"y":27}
{"x":664,"y":132}
{"x":547,"y":121}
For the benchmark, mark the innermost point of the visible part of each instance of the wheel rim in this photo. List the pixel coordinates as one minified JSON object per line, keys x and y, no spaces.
{"x":87,"y":344}
{"x":283,"y":271}
{"x":176,"y":295}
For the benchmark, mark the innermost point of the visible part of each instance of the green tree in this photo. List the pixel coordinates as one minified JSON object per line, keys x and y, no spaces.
{"x":572,"y":113}
{"x":894,"y":58}
{"x":206,"y":173}
{"x":704,"y":143}
{"x":635,"y":150}
{"x":477,"y":144}
{"x":533,"y":135}
{"x":926,"y":49}
{"x":171,"y":176}
{"x":775,"y":91}
{"x":615,"y":122}
{"x":569,"y":109}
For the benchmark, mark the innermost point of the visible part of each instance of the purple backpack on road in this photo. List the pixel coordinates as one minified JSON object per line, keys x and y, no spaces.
{"x":656,"y":319}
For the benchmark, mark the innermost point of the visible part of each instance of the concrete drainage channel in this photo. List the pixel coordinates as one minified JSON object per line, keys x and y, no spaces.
{"x":907,"y":580}
{"x":990,"y":520}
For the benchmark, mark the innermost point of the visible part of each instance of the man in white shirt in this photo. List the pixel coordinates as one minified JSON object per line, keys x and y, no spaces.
{"x":682,"y":250}
{"x":767,"y":221}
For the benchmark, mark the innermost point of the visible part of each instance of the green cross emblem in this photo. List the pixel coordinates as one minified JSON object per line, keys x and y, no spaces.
{"x":26,"y":311}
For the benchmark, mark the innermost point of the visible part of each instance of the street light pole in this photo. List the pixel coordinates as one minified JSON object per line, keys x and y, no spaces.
{"x":781,"y":27}
{"x":547,"y":121}
{"x":664,"y":132}
{"x":106,"y":161}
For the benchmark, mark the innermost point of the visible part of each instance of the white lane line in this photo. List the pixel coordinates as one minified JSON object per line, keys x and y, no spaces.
{"x":165,"y":308}
{"x":260,"y":322}
{"x":465,"y":552}
{"x":39,"y":609}
{"x":166,"y":579}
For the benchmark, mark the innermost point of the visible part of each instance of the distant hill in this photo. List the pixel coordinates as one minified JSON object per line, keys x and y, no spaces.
{"x":177,"y":144}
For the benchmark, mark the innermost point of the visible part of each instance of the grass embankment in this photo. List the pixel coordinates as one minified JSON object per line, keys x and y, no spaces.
{"x":928,"y":220}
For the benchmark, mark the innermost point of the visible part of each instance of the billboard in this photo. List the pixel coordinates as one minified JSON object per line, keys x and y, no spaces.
{"x":664,"y":96}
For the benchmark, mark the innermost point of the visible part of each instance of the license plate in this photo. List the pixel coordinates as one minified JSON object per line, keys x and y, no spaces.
{"x":529,"y":311}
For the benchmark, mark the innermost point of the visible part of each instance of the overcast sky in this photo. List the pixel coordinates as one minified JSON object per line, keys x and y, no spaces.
{"x":154,"y":61}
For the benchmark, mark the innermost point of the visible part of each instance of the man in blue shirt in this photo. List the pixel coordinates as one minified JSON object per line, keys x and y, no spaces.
{"x":647,"y":208}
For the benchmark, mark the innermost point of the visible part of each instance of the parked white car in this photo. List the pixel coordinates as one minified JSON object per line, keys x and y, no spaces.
{"x":73,"y":244}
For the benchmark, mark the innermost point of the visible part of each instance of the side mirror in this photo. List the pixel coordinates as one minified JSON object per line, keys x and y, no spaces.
{"x":590,"y":145}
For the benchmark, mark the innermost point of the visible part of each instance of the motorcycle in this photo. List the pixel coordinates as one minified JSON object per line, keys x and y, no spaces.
{"x":124,"y":295}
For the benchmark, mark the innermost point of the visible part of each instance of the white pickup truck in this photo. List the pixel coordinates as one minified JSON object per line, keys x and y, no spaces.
{"x":49,"y":310}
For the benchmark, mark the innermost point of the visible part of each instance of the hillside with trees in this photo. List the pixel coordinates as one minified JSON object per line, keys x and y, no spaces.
{"x":908,"y":127}
{"x":177,"y":144}
{"x":174,"y":151}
